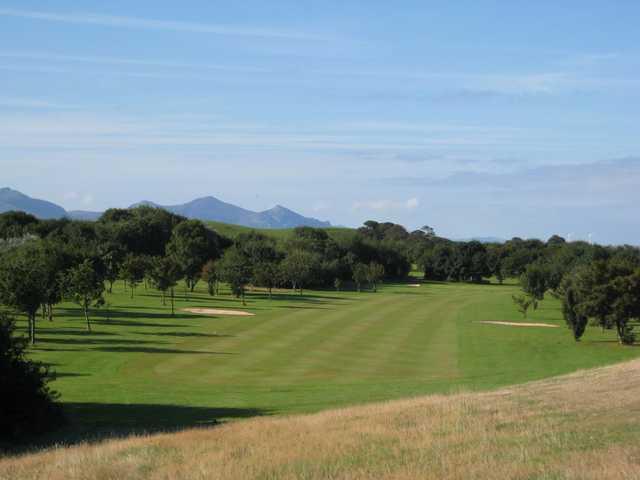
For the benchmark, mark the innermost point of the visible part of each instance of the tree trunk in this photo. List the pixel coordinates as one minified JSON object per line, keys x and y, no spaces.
{"x":242,"y":295}
{"x":132,"y":291}
{"x":86,"y":317}
{"x":270,"y":297}
{"x":164,"y":303}
{"x":172,"y":307}
{"x":32,"y":328}
{"x":50,"y":312}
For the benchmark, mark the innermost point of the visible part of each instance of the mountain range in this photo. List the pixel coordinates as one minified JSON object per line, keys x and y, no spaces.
{"x":205,"y":208}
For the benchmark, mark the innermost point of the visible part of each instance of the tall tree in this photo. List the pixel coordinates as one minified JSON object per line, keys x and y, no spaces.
{"x":298,"y":268}
{"x":191,"y":245}
{"x":23,"y":282}
{"x":164,"y":274}
{"x":574,"y":318}
{"x":211,"y":275}
{"x":132,"y":271}
{"x":360,"y":275}
{"x":266,"y":274}
{"x":236,"y":269}
{"x":85,"y":286}
{"x":375,"y":274}
{"x":27,"y":404}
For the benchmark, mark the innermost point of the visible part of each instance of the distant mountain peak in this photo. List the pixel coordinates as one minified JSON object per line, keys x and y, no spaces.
{"x":14,"y":200}
{"x":203,"y":208}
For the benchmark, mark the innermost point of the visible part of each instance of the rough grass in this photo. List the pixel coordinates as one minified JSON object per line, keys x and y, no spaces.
{"x":142,"y":371}
{"x":581,"y":426}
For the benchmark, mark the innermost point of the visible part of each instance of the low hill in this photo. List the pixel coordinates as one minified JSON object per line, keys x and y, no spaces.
{"x":584,"y":425}
{"x":13,"y":200}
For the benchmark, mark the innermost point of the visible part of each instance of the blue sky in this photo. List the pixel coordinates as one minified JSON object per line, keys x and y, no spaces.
{"x":478,"y":117}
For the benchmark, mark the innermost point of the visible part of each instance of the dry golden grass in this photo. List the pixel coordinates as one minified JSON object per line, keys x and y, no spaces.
{"x":581,"y":426}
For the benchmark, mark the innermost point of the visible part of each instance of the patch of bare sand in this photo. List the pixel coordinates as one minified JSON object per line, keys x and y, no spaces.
{"x":217,"y":311}
{"x":520,"y":324}
{"x":414,"y":285}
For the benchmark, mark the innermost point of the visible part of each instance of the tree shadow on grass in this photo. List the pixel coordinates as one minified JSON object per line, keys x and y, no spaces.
{"x":80,"y":332}
{"x":125,"y":323}
{"x":184,"y":334}
{"x":115,"y":314}
{"x":118,"y":349}
{"x":101,"y":421}
{"x":93,"y":341}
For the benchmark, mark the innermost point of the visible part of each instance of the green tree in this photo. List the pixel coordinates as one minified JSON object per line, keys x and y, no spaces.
{"x":132,"y":271}
{"x":298,"y":268}
{"x":164,"y":274}
{"x":27,"y":404}
{"x":523,"y":302}
{"x":236,"y":270}
{"x":360,"y":275}
{"x":574,"y":318}
{"x":191,"y":245}
{"x":266,"y":274}
{"x":211,"y":275}
{"x":23,"y":282}
{"x":534,"y":282}
{"x":375,"y":274}
{"x":85,"y":286}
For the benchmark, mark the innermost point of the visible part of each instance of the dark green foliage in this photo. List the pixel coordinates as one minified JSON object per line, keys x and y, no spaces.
{"x":236,"y":269}
{"x":191,"y":245}
{"x":576,"y":321}
{"x":17,"y":224}
{"x":27,"y":404}
{"x":299,"y":268}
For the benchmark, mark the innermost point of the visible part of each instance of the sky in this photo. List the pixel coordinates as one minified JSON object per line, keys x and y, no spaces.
{"x":478,"y":118}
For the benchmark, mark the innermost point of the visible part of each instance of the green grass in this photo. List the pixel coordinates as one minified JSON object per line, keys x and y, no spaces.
{"x":232,"y":231}
{"x":144,"y":370}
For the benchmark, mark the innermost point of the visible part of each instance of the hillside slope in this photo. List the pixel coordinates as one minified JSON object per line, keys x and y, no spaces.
{"x":585,"y":425}
{"x":13,"y":200}
{"x":213,"y":209}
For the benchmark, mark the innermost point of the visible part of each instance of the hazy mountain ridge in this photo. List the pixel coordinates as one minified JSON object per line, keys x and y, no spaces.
{"x":13,"y":200}
{"x":205,"y":208}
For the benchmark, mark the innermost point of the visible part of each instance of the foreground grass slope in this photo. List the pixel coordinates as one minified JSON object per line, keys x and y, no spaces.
{"x":141,"y":370}
{"x":582,"y":426}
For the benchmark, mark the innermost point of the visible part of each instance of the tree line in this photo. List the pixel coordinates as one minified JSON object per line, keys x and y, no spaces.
{"x":43,"y":262}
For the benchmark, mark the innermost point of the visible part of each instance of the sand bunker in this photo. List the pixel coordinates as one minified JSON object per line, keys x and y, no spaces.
{"x":520,"y":324}
{"x":217,"y":311}
{"x":414,"y":285}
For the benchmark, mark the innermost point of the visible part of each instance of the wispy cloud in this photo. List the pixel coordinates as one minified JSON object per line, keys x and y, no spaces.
{"x":155,"y":24}
{"x":101,"y":60}
{"x":386,"y":205}
{"x":31,"y":103}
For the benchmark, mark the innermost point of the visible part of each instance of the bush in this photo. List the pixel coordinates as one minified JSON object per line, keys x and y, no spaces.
{"x":27,"y":404}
